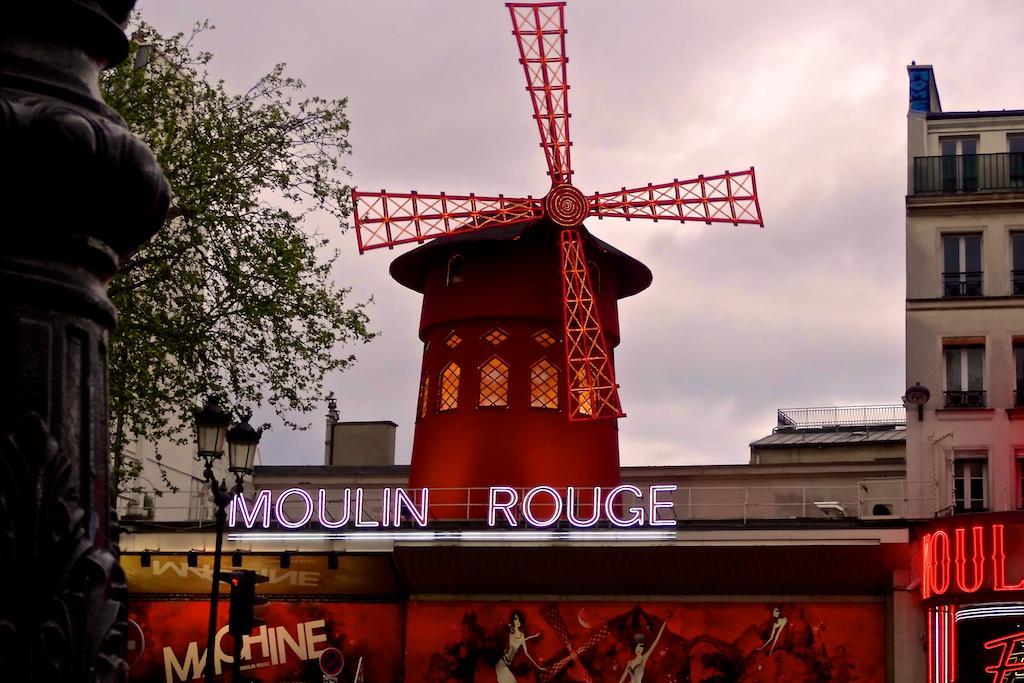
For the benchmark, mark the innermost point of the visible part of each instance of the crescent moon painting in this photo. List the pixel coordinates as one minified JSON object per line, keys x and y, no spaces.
{"x":582,"y":618}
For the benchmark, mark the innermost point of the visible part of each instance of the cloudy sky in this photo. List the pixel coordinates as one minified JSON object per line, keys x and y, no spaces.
{"x":739,"y":321}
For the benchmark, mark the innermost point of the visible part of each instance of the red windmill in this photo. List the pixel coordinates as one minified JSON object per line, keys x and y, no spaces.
{"x":506,"y":246}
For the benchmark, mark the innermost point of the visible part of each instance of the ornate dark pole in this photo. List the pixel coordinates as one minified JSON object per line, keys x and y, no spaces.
{"x":78,"y":195}
{"x":221,"y":499}
{"x":212,"y":431}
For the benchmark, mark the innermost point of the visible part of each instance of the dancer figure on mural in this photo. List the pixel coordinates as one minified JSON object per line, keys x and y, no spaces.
{"x":516,"y":639}
{"x":777,"y":626}
{"x":634,"y":671}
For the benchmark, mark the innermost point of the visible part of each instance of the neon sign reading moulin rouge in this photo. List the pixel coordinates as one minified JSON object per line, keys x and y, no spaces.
{"x":540,"y":507}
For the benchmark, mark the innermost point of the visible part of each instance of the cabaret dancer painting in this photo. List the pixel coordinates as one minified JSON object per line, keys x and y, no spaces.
{"x":517,"y":639}
{"x":634,"y":671}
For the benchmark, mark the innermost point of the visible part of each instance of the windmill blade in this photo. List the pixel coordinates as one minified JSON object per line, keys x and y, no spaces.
{"x":387,"y":219}
{"x":555,"y":667}
{"x":540,"y":31}
{"x":593,"y":394}
{"x":725,"y":198}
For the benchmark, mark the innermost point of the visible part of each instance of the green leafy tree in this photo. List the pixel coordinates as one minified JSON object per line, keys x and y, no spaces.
{"x":236,"y":294}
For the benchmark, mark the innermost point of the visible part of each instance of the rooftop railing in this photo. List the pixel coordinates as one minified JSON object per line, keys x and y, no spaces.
{"x":969,"y":173}
{"x":841,"y":417}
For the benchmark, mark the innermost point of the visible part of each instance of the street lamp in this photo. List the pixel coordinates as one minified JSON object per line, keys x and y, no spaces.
{"x":211,"y":427}
{"x":917,"y":395}
{"x":212,"y":423}
{"x":242,"y":443}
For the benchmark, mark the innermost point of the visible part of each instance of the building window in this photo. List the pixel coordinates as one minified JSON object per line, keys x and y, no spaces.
{"x":1018,"y":370}
{"x":1015,"y":146}
{"x":448,"y":389}
{"x":424,"y":396}
{"x":965,"y":373}
{"x":970,"y":482}
{"x":1018,"y":477}
{"x":452,"y":340}
{"x":961,"y":263}
{"x":495,"y":336}
{"x":454,"y":273}
{"x":582,"y":393}
{"x":544,"y":338}
{"x":959,"y":164}
{"x":544,"y":385}
{"x":1017,"y":249}
{"x":493,"y":384}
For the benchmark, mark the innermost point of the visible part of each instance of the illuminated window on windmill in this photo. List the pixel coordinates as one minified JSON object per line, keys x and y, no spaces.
{"x":544,"y":385}
{"x":454,"y":273}
{"x":452,"y":340}
{"x":448,"y":389}
{"x":495,"y":336}
{"x":424,"y":395}
{"x":544,"y":338}
{"x":493,"y":384}
{"x":583,"y":396}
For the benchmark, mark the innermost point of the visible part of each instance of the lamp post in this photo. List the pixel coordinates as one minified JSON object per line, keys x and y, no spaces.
{"x":212,"y":423}
{"x":917,"y":395}
{"x":79,"y":194}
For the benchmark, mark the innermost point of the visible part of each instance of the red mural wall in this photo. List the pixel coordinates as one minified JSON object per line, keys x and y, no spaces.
{"x":301,"y":642}
{"x":512,"y":642}
{"x":653,"y":642}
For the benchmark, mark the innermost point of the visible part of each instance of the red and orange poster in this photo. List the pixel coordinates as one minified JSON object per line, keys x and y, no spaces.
{"x":301,"y":642}
{"x":518,"y":642}
{"x":508,"y":642}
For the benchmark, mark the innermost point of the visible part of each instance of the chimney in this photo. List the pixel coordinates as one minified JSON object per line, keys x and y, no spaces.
{"x":332,"y":419}
{"x":924,"y":93}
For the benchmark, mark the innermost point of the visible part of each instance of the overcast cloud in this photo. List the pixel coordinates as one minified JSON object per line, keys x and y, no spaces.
{"x":739,"y":321}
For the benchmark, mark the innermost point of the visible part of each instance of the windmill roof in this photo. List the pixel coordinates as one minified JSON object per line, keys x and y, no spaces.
{"x":409,"y":269}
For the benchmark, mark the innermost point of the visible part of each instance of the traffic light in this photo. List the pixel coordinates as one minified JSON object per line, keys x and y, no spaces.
{"x":243,"y":582}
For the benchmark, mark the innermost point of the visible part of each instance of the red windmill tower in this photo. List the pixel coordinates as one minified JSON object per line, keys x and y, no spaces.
{"x":520,"y":302}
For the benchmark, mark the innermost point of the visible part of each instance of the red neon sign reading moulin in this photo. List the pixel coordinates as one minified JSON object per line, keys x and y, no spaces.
{"x":967,"y":560}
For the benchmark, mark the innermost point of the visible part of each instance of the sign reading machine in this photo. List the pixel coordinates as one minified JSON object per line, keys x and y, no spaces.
{"x":363,"y":514}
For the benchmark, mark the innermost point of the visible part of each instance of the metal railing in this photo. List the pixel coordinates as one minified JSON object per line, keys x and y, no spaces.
{"x":966,"y":283}
{"x":969,"y":173}
{"x":965,"y":399}
{"x":839,"y":417}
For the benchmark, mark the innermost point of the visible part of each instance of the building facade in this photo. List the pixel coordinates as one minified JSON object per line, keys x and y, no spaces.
{"x":879,"y":543}
{"x":795,"y":566}
{"x":965,"y":345}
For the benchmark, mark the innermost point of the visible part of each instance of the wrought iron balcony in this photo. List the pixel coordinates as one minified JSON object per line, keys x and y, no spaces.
{"x":967,"y":283}
{"x":969,"y":173}
{"x":965,"y":399}
{"x":1018,"y":283}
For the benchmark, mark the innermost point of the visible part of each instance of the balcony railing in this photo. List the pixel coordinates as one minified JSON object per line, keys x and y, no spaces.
{"x":968,"y":283}
{"x":1018,"y":283}
{"x":969,"y":173}
{"x":965,"y":399}
{"x":840,"y":417}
